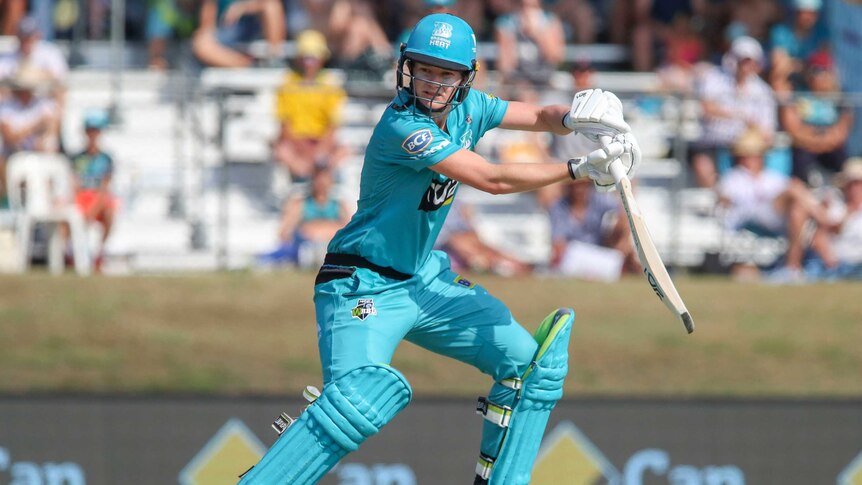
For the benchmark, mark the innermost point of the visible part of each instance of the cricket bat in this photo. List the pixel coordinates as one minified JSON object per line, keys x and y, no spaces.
{"x":653,"y":266}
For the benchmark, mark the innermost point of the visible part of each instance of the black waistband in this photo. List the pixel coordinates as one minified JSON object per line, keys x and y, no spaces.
{"x":338,"y":259}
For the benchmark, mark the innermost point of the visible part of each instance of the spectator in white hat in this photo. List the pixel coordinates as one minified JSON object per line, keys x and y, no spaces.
{"x":28,"y":119}
{"x":734,"y":98}
{"x":36,"y":54}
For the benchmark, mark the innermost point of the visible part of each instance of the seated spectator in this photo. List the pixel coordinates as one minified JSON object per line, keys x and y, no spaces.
{"x":590,"y":234}
{"x":308,"y":221}
{"x":168,"y":19}
{"x":309,"y":107}
{"x":93,"y":170}
{"x":468,"y":252}
{"x":360,"y":45}
{"x":581,"y":19}
{"x":816,"y":122}
{"x":304,"y":15}
{"x":733,"y":98}
{"x":768,"y":203}
{"x":681,"y":63}
{"x":225,"y":25}
{"x":751,"y":18}
{"x":28,"y":120}
{"x":838,"y":249}
{"x":654,"y":22}
{"x":36,"y":55}
{"x":792,"y":43}
{"x":530,"y":44}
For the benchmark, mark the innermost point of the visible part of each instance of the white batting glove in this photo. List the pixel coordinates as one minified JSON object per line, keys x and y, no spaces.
{"x":596,"y":113}
{"x":596,"y":164}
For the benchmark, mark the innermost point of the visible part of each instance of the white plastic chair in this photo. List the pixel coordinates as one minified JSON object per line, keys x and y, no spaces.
{"x":39,"y":186}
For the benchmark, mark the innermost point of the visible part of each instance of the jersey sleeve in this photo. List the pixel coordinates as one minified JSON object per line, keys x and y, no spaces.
{"x":413,"y":142}
{"x":493,"y":110}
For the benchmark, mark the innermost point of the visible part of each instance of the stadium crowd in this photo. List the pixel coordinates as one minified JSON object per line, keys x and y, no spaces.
{"x":762,"y":71}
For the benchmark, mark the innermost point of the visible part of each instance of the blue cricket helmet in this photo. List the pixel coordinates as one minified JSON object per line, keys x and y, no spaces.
{"x":442,"y":40}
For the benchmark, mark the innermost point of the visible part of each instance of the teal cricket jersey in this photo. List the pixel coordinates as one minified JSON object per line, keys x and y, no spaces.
{"x":402,"y":203}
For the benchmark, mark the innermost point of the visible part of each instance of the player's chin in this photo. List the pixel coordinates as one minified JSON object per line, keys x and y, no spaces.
{"x":433,"y":105}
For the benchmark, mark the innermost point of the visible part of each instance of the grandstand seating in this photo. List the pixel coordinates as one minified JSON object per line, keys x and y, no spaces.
{"x":198,"y":191}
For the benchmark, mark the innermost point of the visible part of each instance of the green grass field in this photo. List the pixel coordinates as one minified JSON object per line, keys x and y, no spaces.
{"x":255,"y":333}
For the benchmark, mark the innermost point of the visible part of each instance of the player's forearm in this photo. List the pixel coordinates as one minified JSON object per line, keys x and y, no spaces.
{"x":523,"y":177}
{"x":551,"y":118}
{"x":530,"y":117}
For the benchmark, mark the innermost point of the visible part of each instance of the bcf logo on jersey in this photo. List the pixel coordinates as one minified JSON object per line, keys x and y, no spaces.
{"x":417,"y":141}
{"x":442,"y":35}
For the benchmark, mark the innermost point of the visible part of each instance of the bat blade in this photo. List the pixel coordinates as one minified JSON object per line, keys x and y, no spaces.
{"x":653,"y":266}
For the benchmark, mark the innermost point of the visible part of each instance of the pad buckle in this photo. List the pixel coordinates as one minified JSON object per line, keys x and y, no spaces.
{"x":494,"y":413}
{"x":283,"y":421}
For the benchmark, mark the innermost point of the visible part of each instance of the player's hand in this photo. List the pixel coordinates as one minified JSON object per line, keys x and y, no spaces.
{"x":596,"y":113}
{"x":630,"y":158}
{"x":596,"y":165}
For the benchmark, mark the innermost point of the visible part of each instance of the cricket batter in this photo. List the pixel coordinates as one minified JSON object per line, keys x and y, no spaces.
{"x":381,"y":282}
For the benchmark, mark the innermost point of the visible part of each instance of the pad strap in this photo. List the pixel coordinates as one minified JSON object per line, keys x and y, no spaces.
{"x":512,"y":383}
{"x":495,"y":413}
{"x":484,"y":466}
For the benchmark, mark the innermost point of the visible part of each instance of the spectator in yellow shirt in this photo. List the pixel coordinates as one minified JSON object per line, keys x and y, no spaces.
{"x":308,"y":107}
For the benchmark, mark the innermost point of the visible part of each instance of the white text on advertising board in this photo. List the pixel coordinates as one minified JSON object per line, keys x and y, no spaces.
{"x":568,"y":456}
{"x":48,"y":473}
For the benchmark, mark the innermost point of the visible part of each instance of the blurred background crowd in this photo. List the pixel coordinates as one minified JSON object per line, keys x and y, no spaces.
{"x":234,"y":132}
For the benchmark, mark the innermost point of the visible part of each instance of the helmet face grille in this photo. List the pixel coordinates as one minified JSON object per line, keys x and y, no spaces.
{"x":405,"y":81}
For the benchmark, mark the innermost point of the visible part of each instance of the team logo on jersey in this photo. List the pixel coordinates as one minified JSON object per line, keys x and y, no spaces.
{"x":364,"y":308}
{"x":417,"y":141}
{"x":439,"y":193}
{"x":442,"y":35}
